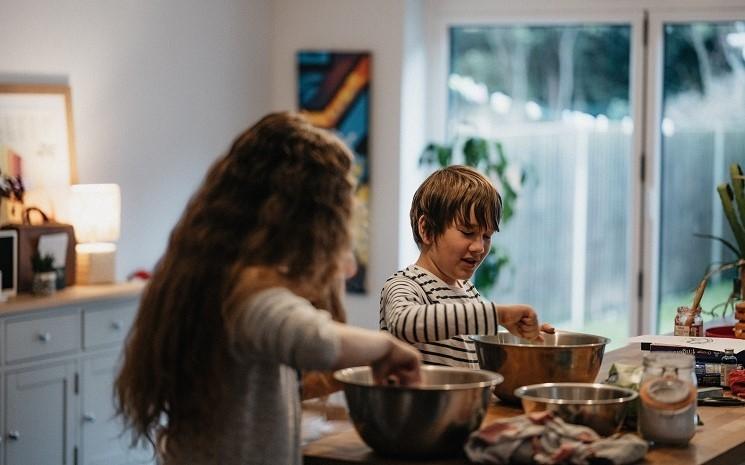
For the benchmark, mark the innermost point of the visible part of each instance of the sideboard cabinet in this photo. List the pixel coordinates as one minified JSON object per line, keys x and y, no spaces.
{"x":58,"y":358}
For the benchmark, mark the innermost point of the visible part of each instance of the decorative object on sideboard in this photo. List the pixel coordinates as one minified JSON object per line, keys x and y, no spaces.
{"x":45,"y":278}
{"x":95,"y":211}
{"x":8,"y":263}
{"x":55,"y":244}
{"x":38,"y":227}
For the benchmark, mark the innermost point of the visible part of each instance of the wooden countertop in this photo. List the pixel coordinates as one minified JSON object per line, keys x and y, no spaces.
{"x":71,"y":295}
{"x":720,"y":441}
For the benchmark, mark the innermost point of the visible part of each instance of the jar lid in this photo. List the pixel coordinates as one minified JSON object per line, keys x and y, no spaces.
{"x":668,"y":394}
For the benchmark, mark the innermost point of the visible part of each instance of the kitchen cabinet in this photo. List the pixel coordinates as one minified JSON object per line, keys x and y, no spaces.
{"x":39,"y":415}
{"x":59,"y":357}
{"x":101,"y":438}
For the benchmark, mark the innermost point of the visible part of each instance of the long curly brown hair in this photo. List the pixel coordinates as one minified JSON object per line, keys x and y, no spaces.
{"x":280,"y":199}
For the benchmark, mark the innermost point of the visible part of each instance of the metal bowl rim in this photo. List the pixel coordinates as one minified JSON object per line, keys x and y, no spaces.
{"x":604,"y":341}
{"x":630,"y":394}
{"x":496,"y":379}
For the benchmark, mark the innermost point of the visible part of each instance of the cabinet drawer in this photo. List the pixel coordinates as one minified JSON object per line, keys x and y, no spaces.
{"x":42,"y":336}
{"x":108,"y":325}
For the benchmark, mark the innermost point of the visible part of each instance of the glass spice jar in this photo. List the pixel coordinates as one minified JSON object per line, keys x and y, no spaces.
{"x":668,"y":398}
{"x":688,"y":322}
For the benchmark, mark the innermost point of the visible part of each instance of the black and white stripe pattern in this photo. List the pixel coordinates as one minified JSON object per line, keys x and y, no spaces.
{"x":421,"y":309}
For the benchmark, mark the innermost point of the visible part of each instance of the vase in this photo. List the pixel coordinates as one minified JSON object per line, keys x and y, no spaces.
{"x":44,"y":283}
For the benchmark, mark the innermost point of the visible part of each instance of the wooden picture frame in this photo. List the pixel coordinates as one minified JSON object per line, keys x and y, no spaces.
{"x":37,"y":143}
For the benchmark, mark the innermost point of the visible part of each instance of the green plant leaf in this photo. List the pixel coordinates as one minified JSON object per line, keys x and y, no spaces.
{"x":42,"y":264}
{"x":487,"y":276}
{"x":475,"y":152}
{"x":727,"y":197}
{"x":724,"y":241}
{"x":738,"y":189}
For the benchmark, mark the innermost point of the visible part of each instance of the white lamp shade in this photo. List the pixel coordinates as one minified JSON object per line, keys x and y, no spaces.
{"x":95,"y":211}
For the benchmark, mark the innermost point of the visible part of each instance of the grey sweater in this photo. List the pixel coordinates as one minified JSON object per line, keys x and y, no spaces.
{"x":260,"y":419}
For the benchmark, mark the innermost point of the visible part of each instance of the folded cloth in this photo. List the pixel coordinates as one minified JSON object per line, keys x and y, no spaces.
{"x":542,"y":438}
{"x":737,"y":382}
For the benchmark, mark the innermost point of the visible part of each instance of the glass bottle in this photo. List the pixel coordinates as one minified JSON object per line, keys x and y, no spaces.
{"x":668,"y":396}
{"x":688,"y":322}
{"x":728,"y":363}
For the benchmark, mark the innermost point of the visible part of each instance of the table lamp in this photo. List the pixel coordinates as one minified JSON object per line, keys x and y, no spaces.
{"x":95,"y":211}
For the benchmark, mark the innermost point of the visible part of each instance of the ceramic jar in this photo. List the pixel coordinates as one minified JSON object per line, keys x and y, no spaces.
{"x":668,"y":398}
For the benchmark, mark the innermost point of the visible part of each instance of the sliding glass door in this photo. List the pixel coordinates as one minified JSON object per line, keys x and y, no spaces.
{"x":698,"y":129}
{"x":560,"y":100}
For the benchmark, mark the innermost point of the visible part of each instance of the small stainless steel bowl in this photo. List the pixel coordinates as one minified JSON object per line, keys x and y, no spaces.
{"x":433,"y":418}
{"x":600,"y":406}
{"x":562,"y":357}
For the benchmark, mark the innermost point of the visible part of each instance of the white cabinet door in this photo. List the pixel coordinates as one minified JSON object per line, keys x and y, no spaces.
{"x":102,"y":441}
{"x":39,"y":428}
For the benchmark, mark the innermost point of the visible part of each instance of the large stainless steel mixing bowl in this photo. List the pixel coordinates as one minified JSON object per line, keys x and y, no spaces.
{"x":600,"y":406}
{"x":560,"y":357}
{"x":433,"y":418}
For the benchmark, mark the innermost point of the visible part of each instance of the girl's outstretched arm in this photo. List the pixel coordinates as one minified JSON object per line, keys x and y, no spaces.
{"x":388,"y":357}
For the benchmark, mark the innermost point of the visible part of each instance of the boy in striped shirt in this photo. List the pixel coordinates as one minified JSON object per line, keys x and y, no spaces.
{"x":432,"y":304}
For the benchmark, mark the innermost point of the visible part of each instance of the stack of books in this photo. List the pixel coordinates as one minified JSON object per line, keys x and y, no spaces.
{"x":707,"y":351}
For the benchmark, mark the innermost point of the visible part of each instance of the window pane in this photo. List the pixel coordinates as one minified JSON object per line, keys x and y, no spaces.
{"x":703,"y":132}
{"x":558,"y":100}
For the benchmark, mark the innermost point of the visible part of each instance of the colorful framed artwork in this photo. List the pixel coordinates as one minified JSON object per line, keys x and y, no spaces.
{"x":36,"y":142}
{"x":334,"y":93}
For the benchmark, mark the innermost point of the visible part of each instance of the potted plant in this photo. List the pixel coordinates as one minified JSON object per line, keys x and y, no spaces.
{"x":45,"y":277}
{"x":732,"y":196}
{"x":487,"y":156}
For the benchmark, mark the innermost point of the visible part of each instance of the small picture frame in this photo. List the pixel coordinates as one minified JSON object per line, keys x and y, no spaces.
{"x":8,"y":262}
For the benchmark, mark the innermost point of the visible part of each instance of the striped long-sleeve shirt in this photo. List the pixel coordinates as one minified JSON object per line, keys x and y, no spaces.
{"x":419,"y":308}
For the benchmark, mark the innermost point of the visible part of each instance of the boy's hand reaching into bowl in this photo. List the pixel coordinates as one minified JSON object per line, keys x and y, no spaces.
{"x":522,"y":321}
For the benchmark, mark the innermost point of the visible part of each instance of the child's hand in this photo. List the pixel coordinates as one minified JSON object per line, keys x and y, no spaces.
{"x":522,"y":321}
{"x":400,"y":365}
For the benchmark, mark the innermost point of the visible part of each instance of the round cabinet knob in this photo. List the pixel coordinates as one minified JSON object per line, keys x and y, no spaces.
{"x":45,"y":336}
{"x":14,"y":435}
{"x":89,"y":418}
{"x":116,"y":325}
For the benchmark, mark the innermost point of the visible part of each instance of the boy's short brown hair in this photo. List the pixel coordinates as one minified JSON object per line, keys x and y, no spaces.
{"x":448,"y":196}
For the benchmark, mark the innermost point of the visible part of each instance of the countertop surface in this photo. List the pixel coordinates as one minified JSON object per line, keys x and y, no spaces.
{"x":721,"y":439}
{"x":71,"y":295}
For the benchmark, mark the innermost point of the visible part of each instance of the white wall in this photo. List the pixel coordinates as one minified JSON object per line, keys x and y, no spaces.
{"x":377,"y":26}
{"x":414,"y":130}
{"x":159,"y":89}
